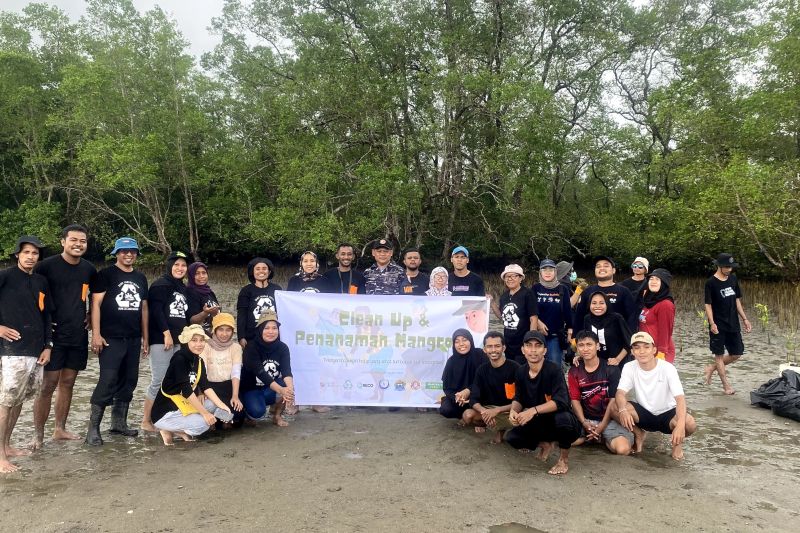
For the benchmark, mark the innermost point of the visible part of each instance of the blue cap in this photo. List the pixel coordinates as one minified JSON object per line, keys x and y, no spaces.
{"x":461,"y":249}
{"x":125,"y":243}
{"x":547,"y":263}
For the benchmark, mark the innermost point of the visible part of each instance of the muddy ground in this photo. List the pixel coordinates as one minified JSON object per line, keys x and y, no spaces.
{"x":372,"y":470}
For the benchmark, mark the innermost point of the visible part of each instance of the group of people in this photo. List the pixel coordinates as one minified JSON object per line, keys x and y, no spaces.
{"x":211,"y":368}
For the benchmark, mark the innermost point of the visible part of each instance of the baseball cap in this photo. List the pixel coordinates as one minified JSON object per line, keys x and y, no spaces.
{"x":27,"y":239}
{"x":512,"y":269}
{"x":547,"y":263}
{"x":125,"y":243}
{"x":382,"y":243}
{"x":725,"y":260}
{"x":642,"y":336}
{"x":604,"y":258}
{"x":534,"y":336}
{"x":460,"y":249}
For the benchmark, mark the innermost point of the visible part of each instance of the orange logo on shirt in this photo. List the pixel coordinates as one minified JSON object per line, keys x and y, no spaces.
{"x":511,"y":390}
{"x":84,"y":291}
{"x":353,"y":289}
{"x":41,"y":301}
{"x":548,"y":397}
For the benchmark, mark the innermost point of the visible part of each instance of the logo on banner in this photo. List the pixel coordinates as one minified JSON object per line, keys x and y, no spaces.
{"x":348,"y":384}
{"x":415,"y":385}
{"x":384,"y":384}
{"x":400,"y":385}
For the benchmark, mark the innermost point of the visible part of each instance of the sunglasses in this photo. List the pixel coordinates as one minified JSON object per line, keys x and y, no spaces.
{"x":637,"y":265}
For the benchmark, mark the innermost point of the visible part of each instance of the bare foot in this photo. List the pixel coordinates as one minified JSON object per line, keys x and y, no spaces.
{"x":729,"y":391}
{"x":321,"y":409}
{"x":183,"y":436}
{"x":559,"y":469}
{"x":291,"y":409}
{"x":461,"y":424}
{"x":16,"y":452}
{"x":249,"y":422}
{"x":677,"y":452}
{"x":525,"y":450}
{"x":544,"y":451}
{"x":166,"y":436}
{"x":63,"y":434}
{"x":148,"y":426}
{"x":36,"y":444}
{"x":708,"y":373}
{"x":479,"y":429}
{"x":6,"y":467}
{"x":498,"y":437}
{"x":279,"y":421}
{"x":638,"y":440}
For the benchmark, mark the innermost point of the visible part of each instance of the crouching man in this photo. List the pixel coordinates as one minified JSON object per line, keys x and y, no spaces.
{"x":660,"y":403}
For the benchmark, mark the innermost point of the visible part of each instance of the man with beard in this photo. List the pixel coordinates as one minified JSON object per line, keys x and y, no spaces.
{"x":119,"y":332}
{"x":68,"y":276}
{"x":620,"y":299}
{"x":344,"y":279}
{"x":415,"y":282}
{"x":25,"y":340}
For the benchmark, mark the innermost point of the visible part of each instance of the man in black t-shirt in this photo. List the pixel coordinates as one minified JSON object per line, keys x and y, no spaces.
{"x":493,"y":389}
{"x":540,"y":412}
{"x":415,"y":282}
{"x":463,"y":282}
{"x":620,"y":299}
{"x":68,"y":276}
{"x":344,"y":279}
{"x":119,"y":335}
{"x":723,"y":304}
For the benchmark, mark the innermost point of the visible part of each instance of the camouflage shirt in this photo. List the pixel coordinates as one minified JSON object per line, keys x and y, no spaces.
{"x":384,"y":281}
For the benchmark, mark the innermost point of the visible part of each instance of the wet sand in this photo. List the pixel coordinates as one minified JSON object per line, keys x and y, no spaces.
{"x":372,"y":470}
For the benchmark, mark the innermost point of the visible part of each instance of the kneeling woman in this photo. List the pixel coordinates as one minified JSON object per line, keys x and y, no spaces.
{"x":223,"y":358}
{"x":177,"y":409}
{"x":267,"y":373}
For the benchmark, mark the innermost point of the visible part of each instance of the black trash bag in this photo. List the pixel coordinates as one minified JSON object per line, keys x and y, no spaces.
{"x":788,"y":406}
{"x":775,"y":389}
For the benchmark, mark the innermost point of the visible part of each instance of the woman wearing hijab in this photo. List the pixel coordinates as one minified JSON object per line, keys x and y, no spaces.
{"x":223,"y":358}
{"x":458,"y":375}
{"x":611,"y":329}
{"x":308,"y":278}
{"x":438,"y":283}
{"x":658,"y":312}
{"x":267,"y":374}
{"x":177,"y":409}
{"x":168,"y":316}
{"x":554,"y":310}
{"x":203,"y":303}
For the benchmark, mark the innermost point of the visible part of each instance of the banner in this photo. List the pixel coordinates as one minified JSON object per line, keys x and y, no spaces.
{"x":374,"y":350}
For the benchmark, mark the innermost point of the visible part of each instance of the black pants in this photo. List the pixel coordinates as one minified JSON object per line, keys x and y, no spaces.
{"x":119,"y":371}
{"x":450,"y":409}
{"x":562,"y":427}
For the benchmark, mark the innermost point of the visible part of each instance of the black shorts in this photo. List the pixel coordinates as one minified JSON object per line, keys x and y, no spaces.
{"x":650,"y":422}
{"x":72,"y":357}
{"x":730,"y":340}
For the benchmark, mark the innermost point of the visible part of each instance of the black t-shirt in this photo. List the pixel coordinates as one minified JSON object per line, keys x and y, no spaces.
{"x":121,"y":310}
{"x":722,"y":296}
{"x":350,"y":282}
{"x":69,"y":287}
{"x":25,"y":305}
{"x":263,"y":364}
{"x":593,"y":389}
{"x":469,"y":285}
{"x":613,"y":333}
{"x":417,"y":285}
{"x":251,"y":303}
{"x":168,"y":310}
{"x":180,"y":378}
{"x":494,"y":386}
{"x":547,"y":385}
{"x":636,"y":287}
{"x":297,"y":284}
{"x":516,"y":311}
{"x":553,"y":308}
{"x":197,"y":301}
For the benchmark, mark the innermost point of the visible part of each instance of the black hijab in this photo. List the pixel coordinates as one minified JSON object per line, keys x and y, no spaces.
{"x":649,"y":299}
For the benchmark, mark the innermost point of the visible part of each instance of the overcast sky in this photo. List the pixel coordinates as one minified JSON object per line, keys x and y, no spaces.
{"x":193,"y":16}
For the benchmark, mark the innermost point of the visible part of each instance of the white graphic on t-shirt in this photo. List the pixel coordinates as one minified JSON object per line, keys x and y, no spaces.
{"x":727,"y":292}
{"x":192,"y":378}
{"x":309,"y":289}
{"x":271,"y":368}
{"x":510,"y":317}
{"x":263,"y":303}
{"x":177,"y":309}
{"x":128,"y":298}
{"x":601,"y":335}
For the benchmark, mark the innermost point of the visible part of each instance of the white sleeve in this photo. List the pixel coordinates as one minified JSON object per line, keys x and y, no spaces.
{"x":236,"y":371}
{"x":626,"y":378}
{"x":674,"y":381}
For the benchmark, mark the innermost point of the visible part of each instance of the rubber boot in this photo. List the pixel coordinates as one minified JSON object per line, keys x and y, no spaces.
{"x":119,"y":420}
{"x":93,"y":435}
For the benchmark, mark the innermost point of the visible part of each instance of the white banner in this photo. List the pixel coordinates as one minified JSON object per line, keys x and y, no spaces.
{"x":373,"y":350}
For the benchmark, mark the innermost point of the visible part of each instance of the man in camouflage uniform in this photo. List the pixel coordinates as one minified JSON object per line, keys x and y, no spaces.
{"x":385,"y":276}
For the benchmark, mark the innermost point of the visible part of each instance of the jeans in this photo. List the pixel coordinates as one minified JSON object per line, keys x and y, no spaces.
{"x":159,"y":363}
{"x":554,"y":351}
{"x":119,"y":371}
{"x":256,"y":401}
{"x":193,"y":424}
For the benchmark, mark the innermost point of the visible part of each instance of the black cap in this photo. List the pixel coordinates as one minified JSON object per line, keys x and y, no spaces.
{"x":382,"y":243}
{"x":604,"y":258}
{"x":725,"y":260}
{"x":534,"y":336}
{"x":27,"y":239}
